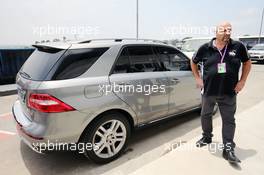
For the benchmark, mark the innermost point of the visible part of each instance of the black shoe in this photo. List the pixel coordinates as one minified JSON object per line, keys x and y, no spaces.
{"x":203,"y":141}
{"x":230,"y":156}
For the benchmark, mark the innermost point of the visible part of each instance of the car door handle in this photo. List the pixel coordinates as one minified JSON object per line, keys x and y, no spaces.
{"x":175,"y":80}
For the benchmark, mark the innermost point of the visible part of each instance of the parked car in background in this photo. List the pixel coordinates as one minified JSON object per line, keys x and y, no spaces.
{"x":190,"y":46}
{"x":256,"y":53}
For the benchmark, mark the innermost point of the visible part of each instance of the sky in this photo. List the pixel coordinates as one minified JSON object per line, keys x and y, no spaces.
{"x":24,"y":22}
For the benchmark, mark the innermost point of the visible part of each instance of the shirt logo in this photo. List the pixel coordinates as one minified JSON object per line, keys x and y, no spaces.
{"x":232,"y":53}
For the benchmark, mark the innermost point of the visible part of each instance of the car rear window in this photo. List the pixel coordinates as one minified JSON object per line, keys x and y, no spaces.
{"x":40,"y":63}
{"x":63,"y":64}
{"x":77,"y":61}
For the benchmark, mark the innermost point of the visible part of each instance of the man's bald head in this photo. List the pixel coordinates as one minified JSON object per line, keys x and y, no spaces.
{"x":223,"y":31}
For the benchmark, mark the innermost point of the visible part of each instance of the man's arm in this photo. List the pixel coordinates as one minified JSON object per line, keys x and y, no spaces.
{"x":246,"y":67}
{"x":195,"y":70}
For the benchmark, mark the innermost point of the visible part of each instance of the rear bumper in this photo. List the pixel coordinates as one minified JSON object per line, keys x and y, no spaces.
{"x":21,"y":123}
{"x":46,"y":133}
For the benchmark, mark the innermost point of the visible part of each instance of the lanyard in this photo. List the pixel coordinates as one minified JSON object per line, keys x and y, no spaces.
{"x":222,"y":55}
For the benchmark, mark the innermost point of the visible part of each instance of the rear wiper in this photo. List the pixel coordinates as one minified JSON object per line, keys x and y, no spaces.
{"x":24,"y":74}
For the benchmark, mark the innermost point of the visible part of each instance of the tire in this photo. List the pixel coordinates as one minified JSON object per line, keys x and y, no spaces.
{"x":108,"y":144}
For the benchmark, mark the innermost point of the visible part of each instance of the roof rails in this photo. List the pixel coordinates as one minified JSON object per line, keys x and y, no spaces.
{"x":121,"y":39}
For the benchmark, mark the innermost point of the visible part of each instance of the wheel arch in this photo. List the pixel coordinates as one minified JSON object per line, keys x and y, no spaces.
{"x":128,"y":116}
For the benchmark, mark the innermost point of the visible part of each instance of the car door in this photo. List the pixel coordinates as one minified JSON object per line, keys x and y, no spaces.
{"x":137,"y":67}
{"x":183,"y":92}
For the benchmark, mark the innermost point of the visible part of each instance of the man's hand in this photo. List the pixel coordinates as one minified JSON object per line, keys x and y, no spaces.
{"x":245,"y":71}
{"x":199,"y":83}
{"x":239,"y":86}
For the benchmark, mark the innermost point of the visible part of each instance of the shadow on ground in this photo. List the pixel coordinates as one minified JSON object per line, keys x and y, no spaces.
{"x":142,"y":141}
{"x":241,"y":153}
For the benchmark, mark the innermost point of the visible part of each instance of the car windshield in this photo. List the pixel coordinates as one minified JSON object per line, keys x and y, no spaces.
{"x":193,"y":45}
{"x":258,"y":47}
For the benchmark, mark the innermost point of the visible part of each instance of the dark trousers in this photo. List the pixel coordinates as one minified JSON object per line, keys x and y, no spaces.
{"x":227,"y":107}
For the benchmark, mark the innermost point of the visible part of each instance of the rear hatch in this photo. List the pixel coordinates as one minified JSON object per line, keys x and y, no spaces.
{"x":34,"y":71}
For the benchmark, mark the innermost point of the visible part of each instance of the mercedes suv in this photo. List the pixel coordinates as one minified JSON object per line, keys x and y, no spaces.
{"x":95,"y":92}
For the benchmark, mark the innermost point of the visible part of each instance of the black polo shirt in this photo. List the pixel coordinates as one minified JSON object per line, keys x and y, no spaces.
{"x":219,"y":84}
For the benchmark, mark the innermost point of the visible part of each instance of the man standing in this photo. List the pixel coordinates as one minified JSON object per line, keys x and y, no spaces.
{"x":221,"y":59}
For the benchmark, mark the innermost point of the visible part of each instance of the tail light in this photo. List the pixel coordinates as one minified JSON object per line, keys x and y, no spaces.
{"x":47,"y":103}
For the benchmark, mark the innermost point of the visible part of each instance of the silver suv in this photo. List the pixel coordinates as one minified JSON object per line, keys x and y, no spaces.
{"x":95,"y":92}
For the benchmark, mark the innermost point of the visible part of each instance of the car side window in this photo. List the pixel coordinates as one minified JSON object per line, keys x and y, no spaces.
{"x":122,"y":64}
{"x":142,"y":59}
{"x":76,"y":62}
{"x":172,"y":59}
{"x":137,"y":59}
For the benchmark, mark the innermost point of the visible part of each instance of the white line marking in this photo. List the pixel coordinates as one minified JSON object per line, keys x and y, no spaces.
{"x":5,"y":114}
{"x":7,"y":132}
